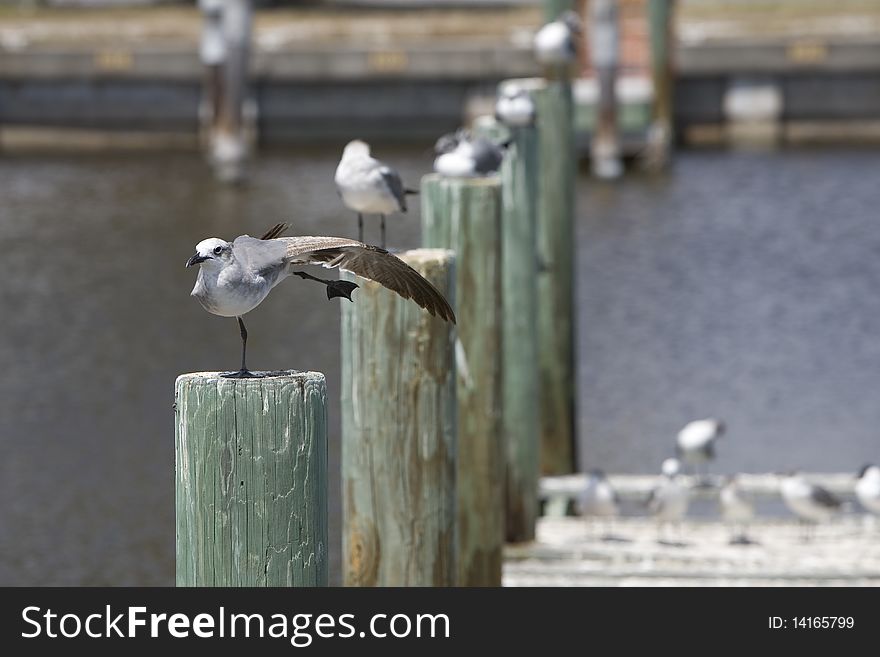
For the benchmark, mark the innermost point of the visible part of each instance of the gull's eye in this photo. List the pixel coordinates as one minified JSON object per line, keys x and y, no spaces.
{"x":218,"y":250}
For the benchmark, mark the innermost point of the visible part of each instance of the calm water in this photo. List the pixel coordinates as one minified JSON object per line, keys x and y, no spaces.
{"x":742,"y":285}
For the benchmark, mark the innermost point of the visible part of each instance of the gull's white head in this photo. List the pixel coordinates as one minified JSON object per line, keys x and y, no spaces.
{"x":356,"y":148}
{"x":211,"y":253}
{"x":671,"y":467}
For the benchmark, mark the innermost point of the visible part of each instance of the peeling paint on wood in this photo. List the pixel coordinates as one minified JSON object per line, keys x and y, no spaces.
{"x":399,"y":434}
{"x":251,"y":480}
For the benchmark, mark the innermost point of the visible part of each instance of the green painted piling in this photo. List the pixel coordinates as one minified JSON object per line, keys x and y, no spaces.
{"x":519,"y":298}
{"x":660,"y":134}
{"x":465,"y":215}
{"x":399,"y":434}
{"x":552,"y":8}
{"x":555,"y":242}
{"x":251,"y":480}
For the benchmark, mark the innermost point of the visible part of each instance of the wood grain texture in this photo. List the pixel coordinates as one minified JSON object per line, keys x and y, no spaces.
{"x":519,"y":297}
{"x":555,"y":241}
{"x":399,"y":434}
{"x":251,"y":480}
{"x":465,"y":215}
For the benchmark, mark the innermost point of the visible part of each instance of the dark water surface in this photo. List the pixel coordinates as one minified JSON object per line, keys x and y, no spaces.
{"x":743,"y":285}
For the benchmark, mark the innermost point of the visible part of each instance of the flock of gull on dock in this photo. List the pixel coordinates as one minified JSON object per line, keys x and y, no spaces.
{"x":695,"y":446}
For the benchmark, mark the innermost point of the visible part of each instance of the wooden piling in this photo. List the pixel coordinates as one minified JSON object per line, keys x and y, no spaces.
{"x":660,"y":133}
{"x":399,"y":434}
{"x":519,"y":299}
{"x":251,"y":480}
{"x":605,"y":158}
{"x":555,"y":244}
{"x":465,"y":215}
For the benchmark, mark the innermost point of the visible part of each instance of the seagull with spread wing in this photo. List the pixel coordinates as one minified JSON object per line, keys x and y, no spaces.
{"x":235,"y":277}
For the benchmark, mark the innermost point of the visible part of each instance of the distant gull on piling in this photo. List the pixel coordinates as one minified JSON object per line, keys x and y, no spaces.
{"x":555,"y":44}
{"x":369,"y":186}
{"x":737,"y":510}
{"x":235,"y":277}
{"x":598,"y":500}
{"x":462,"y":155}
{"x":669,"y":500}
{"x":515,"y":107}
{"x":695,"y":443}
{"x":810,"y":502}
{"x":868,"y":488}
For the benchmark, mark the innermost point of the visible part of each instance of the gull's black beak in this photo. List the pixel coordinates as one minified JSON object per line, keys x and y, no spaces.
{"x":196,"y":259}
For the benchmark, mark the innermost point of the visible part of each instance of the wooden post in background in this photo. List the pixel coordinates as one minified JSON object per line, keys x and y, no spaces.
{"x":555,"y":240}
{"x":251,"y":480}
{"x":465,"y":215}
{"x":604,"y":41}
{"x":660,"y":134}
{"x":399,"y":434}
{"x":225,"y":51}
{"x":519,"y":298}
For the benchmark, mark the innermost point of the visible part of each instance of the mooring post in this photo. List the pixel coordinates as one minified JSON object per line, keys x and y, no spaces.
{"x":465,"y":216}
{"x":399,"y":434}
{"x":251,"y":480}
{"x":212,"y":53}
{"x":604,"y":42}
{"x":225,"y":50}
{"x":555,"y":243}
{"x":660,"y":133}
{"x":519,"y":299}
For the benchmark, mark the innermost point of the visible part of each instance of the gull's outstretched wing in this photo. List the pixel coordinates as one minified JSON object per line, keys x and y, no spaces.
{"x":368,"y":262}
{"x":258,"y":256}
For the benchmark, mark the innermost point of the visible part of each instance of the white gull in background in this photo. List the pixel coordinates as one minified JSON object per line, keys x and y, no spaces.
{"x":598,"y":500}
{"x":809,"y":502}
{"x":369,"y":186}
{"x":555,"y":44}
{"x":669,"y":500}
{"x":461,"y":155}
{"x":737,"y":510}
{"x":695,"y":443}
{"x":515,"y":107}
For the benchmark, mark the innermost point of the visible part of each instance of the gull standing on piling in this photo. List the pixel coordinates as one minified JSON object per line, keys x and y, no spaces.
{"x":599,"y":500}
{"x":555,"y":44}
{"x":811,"y":503}
{"x":515,"y":107}
{"x":737,"y":509}
{"x":670,"y":499}
{"x":868,"y":488}
{"x":695,"y":443}
{"x":235,"y":277}
{"x":369,"y":186}
{"x":461,"y":155}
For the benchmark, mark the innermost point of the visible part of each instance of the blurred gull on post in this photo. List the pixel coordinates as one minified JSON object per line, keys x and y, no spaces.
{"x":695,"y":443}
{"x":555,"y":44}
{"x":235,"y":277}
{"x":737,"y":510}
{"x":461,"y":155}
{"x":669,"y":500}
{"x":811,"y":503}
{"x":599,"y":500}
{"x":369,"y":186}
{"x":515,"y":107}
{"x":868,"y":489}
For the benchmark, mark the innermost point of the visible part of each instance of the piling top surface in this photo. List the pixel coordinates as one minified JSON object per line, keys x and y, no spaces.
{"x":492,"y":180}
{"x":276,"y":376}
{"x":416,"y":257}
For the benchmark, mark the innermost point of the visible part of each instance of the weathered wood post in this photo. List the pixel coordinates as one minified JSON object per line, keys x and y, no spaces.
{"x":555,"y":241}
{"x":660,"y":133}
{"x":465,"y":215}
{"x":251,"y":480}
{"x":399,"y":434}
{"x":519,"y":300}
{"x":225,"y":50}
{"x":604,"y":42}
